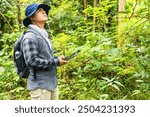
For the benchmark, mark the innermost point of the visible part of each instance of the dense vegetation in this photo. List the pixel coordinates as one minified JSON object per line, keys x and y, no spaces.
{"x":114,"y":58}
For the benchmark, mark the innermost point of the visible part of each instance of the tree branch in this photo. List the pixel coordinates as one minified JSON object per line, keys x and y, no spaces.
{"x":133,"y":10}
{"x":6,"y":19}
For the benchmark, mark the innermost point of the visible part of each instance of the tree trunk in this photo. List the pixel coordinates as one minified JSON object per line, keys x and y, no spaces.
{"x":122,"y":5}
{"x":121,"y":23}
{"x":85,"y":6}
{"x":94,"y":15}
{"x":18,"y":13}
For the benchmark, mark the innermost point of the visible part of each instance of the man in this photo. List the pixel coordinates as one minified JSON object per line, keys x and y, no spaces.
{"x":38,"y":53}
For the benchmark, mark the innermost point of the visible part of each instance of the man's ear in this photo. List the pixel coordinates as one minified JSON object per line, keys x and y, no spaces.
{"x":32,"y":18}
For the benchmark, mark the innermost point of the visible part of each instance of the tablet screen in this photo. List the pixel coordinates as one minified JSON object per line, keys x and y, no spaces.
{"x":72,"y":55}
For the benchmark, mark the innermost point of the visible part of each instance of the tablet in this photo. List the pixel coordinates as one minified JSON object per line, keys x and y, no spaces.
{"x":72,"y":55}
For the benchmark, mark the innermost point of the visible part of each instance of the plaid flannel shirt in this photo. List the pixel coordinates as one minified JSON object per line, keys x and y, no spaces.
{"x":32,"y":59}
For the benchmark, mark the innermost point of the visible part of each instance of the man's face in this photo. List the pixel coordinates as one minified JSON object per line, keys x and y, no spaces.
{"x":40,"y":15}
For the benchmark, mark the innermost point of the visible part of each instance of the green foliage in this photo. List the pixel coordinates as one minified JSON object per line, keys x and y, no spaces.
{"x":100,"y":70}
{"x":6,"y":16}
{"x":11,"y":86}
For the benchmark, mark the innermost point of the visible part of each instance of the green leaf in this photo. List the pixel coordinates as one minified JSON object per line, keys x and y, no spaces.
{"x":116,"y":87}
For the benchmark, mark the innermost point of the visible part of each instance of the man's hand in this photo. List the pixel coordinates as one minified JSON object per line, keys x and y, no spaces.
{"x":62,"y":60}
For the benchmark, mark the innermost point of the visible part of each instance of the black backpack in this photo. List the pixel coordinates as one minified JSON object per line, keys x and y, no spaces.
{"x":19,"y":61}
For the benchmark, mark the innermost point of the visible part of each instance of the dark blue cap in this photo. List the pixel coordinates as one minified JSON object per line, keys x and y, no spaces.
{"x":31,"y":9}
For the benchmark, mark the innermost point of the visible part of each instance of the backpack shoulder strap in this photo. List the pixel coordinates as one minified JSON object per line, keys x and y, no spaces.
{"x":30,"y":31}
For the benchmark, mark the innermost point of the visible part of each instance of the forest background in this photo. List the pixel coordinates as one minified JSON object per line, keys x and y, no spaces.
{"x":113,"y":37}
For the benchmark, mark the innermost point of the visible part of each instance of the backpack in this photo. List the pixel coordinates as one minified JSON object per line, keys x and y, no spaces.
{"x":19,"y":61}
